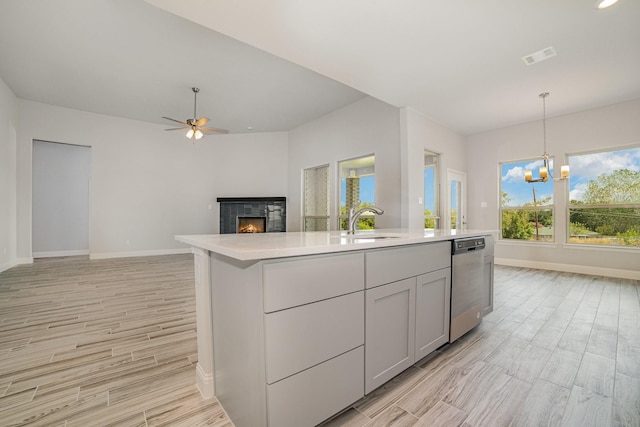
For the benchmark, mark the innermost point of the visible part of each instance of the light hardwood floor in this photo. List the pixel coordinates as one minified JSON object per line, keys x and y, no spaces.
{"x":112,"y":342}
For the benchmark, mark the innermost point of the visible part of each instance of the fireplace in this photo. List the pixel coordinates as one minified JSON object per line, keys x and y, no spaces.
{"x":252,"y":214}
{"x":251,"y":224}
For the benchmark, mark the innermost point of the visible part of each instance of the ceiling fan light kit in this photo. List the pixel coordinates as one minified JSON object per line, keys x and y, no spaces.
{"x":603,"y":4}
{"x":195,"y":127}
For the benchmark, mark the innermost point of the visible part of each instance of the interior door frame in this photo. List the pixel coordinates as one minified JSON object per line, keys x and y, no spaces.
{"x":86,"y":230}
{"x":461,"y":218}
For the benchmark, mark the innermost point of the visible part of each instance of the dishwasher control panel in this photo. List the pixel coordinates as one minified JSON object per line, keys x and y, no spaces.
{"x":466,"y":245}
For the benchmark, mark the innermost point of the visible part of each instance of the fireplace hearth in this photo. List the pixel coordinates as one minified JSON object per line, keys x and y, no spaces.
{"x":252,"y":214}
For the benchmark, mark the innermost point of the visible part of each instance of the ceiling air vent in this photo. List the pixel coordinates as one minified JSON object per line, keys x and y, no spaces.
{"x":540,"y":55}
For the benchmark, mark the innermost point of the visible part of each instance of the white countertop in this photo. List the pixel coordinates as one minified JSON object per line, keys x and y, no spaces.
{"x":253,"y":247}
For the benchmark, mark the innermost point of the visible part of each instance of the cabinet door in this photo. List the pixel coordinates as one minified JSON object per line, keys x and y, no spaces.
{"x":433,"y":303}
{"x":389,"y":331}
{"x":487,"y":286}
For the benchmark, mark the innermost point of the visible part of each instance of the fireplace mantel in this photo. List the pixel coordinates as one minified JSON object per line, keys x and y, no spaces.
{"x":250,"y":199}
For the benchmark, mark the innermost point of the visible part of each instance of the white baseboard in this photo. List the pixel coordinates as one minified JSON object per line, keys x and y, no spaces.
{"x":26,"y":260}
{"x":107,"y":255}
{"x":53,"y":254}
{"x":7,"y":265}
{"x":570,"y":268}
{"x":204,"y":383}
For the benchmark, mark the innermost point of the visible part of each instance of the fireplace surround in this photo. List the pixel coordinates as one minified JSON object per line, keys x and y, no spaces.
{"x":250,"y":212}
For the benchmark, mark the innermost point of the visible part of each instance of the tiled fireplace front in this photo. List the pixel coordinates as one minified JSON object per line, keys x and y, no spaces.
{"x":252,"y":214}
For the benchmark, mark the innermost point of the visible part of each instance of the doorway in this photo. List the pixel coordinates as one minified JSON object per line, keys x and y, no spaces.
{"x":456,"y":206}
{"x":60,"y":199}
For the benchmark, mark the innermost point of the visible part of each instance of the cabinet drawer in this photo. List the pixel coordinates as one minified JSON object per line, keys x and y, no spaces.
{"x":301,"y":281}
{"x":308,"y":398}
{"x":301,"y":337}
{"x":390,"y":265}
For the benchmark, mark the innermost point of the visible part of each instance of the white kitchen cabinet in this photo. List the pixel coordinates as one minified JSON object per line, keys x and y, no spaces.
{"x":390,"y":265}
{"x":487,"y":286}
{"x":487,"y":282}
{"x":390,"y":331}
{"x":295,"y":339}
{"x":292,"y":282}
{"x":433,"y":296}
{"x":301,"y":337}
{"x":406,"y":317}
{"x":289,"y":348}
{"x":310,"y":397}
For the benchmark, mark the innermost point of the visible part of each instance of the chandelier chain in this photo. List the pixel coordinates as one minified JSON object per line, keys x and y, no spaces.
{"x":544,"y":120}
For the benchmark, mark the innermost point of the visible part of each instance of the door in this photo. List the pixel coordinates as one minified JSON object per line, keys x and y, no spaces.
{"x":60,"y":199}
{"x":432,"y":311}
{"x":456,"y":206}
{"x":389,"y":331}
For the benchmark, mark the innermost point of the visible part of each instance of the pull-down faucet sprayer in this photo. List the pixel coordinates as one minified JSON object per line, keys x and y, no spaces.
{"x":354,"y":215}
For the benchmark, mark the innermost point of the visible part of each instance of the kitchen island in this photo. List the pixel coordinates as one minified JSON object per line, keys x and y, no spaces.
{"x":294,"y":327}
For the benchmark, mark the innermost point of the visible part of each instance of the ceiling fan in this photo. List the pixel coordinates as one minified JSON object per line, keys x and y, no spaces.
{"x":195,"y":127}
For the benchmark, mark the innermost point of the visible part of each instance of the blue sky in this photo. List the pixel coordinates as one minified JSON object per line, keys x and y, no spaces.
{"x":429,"y":196}
{"x":584,"y":168}
{"x":367,"y":189}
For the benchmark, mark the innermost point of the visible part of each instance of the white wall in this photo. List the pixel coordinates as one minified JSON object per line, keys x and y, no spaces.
{"x":8,"y":124}
{"x":418,"y":133}
{"x":368,"y":126}
{"x":607,"y":127}
{"x":147,"y":184}
{"x":60,"y":194}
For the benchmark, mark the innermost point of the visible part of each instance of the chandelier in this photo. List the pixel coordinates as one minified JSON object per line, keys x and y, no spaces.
{"x":543,"y":172}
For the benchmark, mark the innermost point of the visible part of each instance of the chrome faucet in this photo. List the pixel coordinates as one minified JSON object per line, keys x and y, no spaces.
{"x":354,"y":215}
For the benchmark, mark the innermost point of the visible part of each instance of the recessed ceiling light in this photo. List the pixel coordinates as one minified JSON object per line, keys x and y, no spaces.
{"x":540,"y":55}
{"x":603,"y":4}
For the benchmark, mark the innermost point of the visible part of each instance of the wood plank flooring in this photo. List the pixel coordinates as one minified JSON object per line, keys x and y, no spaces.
{"x":112,"y":342}
{"x":559,"y":349}
{"x":101,"y":343}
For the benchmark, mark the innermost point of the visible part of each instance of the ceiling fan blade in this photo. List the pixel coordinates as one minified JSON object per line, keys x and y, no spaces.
{"x":201,"y":121}
{"x":177,"y":121}
{"x":176,"y":129}
{"x":216,"y":130}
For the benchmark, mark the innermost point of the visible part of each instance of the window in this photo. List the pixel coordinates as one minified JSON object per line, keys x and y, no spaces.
{"x":604,"y":198}
{"x":431,"y":194}
{"x":357,"y":190}
{"x":316,"y":199}
{"x":526,"y":209}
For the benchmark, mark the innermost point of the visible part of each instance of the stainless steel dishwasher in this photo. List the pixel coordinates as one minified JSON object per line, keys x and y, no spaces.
{"x":466,"y":285}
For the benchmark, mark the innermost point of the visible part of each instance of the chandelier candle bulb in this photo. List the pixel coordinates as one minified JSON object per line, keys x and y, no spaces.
{"x":564,"y":172}
{"x":528,"y":176}
{"x":543,"y":172}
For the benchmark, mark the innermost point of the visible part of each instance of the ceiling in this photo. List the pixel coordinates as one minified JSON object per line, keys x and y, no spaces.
{"x":275,"y":65}
{"x":127,"y":58}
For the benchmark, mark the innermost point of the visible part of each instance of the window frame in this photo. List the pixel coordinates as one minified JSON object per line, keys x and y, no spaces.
{"x":368,"y":170}
{"x":306,"y":216}
{"x":570,"y":206}
{"x":532,"y":208}
{"x":435,"y":165}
